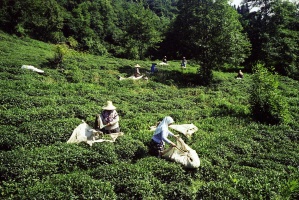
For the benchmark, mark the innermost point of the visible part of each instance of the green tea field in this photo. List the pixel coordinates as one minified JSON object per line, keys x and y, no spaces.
{"x":240,"y":157}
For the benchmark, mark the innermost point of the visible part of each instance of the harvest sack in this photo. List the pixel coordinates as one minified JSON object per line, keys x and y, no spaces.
{"x":85,"y":133}
{"x":186,"y":129}
{"x":163,"y":63}
{"x":130,"y":77}
{"x":30,"y":67}
{"x":182,"y":154}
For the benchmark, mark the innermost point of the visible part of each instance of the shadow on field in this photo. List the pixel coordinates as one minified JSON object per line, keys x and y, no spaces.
{"x":167,"y":77}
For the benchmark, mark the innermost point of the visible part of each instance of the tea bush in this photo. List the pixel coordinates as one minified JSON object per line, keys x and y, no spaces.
{"x":129,"y":149}
{"x":240,"y":157}
{"x":129,"y":181}
{"x":13,"y":139}
{"x":76,"y":185}
{"x":25,"y":165}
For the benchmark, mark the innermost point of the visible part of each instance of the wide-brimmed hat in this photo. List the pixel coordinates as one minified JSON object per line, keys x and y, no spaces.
{"x":137,"y":66}
{"x":109,"y":106}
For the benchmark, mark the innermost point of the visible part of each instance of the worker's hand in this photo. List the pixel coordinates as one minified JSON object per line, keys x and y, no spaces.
{"x":173,"y":145}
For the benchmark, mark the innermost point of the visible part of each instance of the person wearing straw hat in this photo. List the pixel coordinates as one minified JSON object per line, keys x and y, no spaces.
{"x":164,"y":59}
{"x":136,"y":71}
{"x":108,"y":120}
{"x":159,"y":138}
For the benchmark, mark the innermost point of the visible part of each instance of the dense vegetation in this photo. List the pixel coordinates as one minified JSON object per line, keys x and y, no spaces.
{"x":248,"y":129}
{"x":213,"y":33}
{"x":241,"y":158}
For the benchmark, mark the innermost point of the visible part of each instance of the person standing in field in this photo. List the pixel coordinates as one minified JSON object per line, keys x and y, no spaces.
{"x":153,"y":68}
{"x":159,"y":138}
{"x":184,"y":62}
{"x":108,"y":118}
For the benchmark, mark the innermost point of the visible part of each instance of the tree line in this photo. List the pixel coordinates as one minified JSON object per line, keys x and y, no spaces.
{"x":212,"y":32}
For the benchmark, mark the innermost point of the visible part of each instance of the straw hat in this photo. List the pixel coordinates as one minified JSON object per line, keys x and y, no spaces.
{"x":137,"y":66}
{"x":109,"y":106}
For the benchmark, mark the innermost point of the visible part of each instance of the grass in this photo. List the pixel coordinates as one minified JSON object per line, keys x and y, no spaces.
{"x":241,"y":159}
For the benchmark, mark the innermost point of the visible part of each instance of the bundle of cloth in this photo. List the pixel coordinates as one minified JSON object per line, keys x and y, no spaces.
{"x":182,"y":154}
{"x":85,"y":133}
{"x":32,"y":68}
{"x":130,"y":77}
{"x":163,"y":63}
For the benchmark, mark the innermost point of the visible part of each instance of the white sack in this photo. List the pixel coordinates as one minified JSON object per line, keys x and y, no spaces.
{"x":85,"y":133}
{"x":130,"y":77}
{"x":186,"y":129}
{"x":30,"y":67}
{"x":163,"y":63}
{"x":182,"y":154}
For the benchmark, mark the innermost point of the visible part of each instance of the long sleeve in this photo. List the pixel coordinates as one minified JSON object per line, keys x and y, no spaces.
{"x":113,"y":120}
{"x":162,"y":136}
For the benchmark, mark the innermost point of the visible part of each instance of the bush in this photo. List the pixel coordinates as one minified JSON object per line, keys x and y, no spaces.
{"x":68,"y":186}
{"x":25,"y":165}
{"x":130,"y":181}
{"x":11,"y":138}
{"x":163,"y":170}
{"x":267,"y":104}
{"x":129,"y":149}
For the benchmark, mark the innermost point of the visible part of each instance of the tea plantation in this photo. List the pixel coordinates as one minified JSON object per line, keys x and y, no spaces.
{"x":240,"y":158}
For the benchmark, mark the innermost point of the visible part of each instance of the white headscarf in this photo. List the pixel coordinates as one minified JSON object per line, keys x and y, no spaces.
{"x":163,"y":126}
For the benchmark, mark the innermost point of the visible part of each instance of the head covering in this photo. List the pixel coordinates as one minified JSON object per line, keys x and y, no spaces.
{"x":164,"y":124}
{"x":109,"y":106}
{"x":137,"y":66}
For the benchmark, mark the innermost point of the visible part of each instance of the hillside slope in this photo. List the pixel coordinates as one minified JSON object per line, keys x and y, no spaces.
{"x":240,"y":159}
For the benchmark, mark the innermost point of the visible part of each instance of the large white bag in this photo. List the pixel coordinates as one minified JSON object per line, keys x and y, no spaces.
{"x":182,"y":154}
{"x":85,"y":133}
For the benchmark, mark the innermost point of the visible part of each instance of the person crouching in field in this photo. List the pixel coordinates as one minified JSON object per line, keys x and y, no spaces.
{"x":136,"y":71}
{"x":109,"y":118}
{"x":240,"y":75}
{"x":164,"y":59}
{"x":160,"y":137}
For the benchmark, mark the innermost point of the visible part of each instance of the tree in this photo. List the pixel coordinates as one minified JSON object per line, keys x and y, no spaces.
{"x":273,"y":32}
{"x":140,"y":30}
{"x":281,"y":48}
{"x":210,"y":32}
{"x":39,"y":19}
{"x":266,"y":103}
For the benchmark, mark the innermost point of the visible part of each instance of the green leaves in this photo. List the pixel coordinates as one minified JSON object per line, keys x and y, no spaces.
{"x":267,"y":104}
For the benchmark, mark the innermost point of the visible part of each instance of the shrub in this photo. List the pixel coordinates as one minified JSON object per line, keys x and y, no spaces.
{"x":67,"y":186}
{"x":25,"y":165}
{"x":48,"y":131}
{"x":163,"y":170}
{"x":11,"y":138}
{"x":130,"y":181}
{"x":129,"y":149}
{"x":60,"y":52}
{"x":267,"y":104}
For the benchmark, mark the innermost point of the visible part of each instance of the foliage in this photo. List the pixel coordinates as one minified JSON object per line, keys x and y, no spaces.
{"x":240,"y":158}
{"x":267,"y":104}
{"x":212,"y":35}
{"x":273,"y":32}
{"x":66,"y":186}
